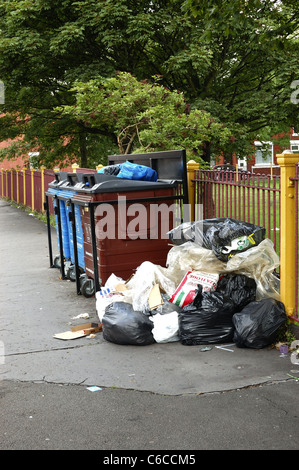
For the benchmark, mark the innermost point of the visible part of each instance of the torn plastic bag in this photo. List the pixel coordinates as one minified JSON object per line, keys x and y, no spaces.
{"x":224,"y":236}
{"x":144,"y":279}
{"x":166,"y":307}
{"x":123,"y":325}
{"x":239,"y":288}
{"x":256,"y":326}
{"x":166,"y":327}
{"x":207,"y":320}
{"x":104,"y":298}
{"x":107,"y":295}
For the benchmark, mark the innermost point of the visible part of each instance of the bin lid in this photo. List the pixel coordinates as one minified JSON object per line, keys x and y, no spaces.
{"x":72,"y":181}
{"x":59,"y":179}
{"x":94,"y":183}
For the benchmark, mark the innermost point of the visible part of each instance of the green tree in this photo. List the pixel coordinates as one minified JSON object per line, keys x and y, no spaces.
{"x":143,"y":116}
{"x":234,"y":59}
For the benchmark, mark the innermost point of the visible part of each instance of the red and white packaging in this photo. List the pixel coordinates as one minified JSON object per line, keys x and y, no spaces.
{"x":185,"y":292}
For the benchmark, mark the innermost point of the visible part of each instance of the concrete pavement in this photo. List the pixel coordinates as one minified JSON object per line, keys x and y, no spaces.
{"x":177,"y":381}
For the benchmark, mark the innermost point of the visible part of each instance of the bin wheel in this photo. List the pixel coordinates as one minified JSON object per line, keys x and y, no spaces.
{"x":87,"y":288}
{"x":72,"y":273}
{"x":56,"y":262}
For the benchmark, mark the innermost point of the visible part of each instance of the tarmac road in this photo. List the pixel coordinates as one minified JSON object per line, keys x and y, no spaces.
{"x":165,"y":397}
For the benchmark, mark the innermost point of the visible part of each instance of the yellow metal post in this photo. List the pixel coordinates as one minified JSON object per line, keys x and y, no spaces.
{"x":288,"y":243}
{"x":32,"y":188}
{"x":191,"y":166}
{"x":42,"y":170}
{"x":74,"y":167}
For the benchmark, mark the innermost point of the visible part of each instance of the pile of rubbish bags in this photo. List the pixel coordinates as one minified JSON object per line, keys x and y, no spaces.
{"x":219,"y":285}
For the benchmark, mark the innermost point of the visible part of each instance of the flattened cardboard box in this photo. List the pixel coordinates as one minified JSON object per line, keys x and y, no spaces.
{"x":79,"y":331}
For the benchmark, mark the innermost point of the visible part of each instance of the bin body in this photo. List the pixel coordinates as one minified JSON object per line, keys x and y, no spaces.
{"x":65,"y":196}
{"x":55,"y":191}
{"x":80,"y":238}
{"x":123,"y":253}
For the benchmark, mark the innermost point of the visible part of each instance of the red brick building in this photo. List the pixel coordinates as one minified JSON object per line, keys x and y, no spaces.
{"x":265,"y":155}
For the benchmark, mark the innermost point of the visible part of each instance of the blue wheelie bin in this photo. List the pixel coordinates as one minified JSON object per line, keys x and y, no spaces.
{"x":61,"y":218}
{"x":75,"y":230}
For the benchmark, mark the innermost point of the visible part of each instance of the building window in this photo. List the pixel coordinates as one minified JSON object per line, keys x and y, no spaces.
{"x":294,"y":145}
{"x":263,"y":153}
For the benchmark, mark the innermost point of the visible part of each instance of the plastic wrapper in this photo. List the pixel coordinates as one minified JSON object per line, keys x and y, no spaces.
{"x":123,"y":325}
{"x":257,"y":325}
{"x":224,"y":236}
{"x":185,"y":292}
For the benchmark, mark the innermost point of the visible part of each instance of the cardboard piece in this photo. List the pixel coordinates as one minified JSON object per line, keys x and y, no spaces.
{"x":79,"y":331}
{"x":120,"y":287}
{"x":155,"y":297}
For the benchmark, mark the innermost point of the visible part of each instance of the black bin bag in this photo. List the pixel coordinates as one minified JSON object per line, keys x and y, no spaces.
{"x":238,"y":287}
{"x":207,"y":320}
{"x":256,"y":326}
{"x":224,"y":236}
{"x":123,"y":325}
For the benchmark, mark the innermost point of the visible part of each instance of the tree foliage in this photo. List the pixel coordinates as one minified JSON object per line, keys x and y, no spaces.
{"x":236,"y":60}
{"x":143,"y":116}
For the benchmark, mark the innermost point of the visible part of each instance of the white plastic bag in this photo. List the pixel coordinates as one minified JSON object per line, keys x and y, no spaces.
{"x":166,"y":327}
{"x":140,"y":285}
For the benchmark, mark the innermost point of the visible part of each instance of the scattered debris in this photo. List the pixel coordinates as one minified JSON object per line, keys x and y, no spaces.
{"x":79,"y":331}
{"x":294,"y":344}
{"x":81,"y":315}
{"x":94,"y":388}
{"x":206,"y":348}
{"x":293,"y":377}
{"x":284,"y":349}
{"x":225,"y":348}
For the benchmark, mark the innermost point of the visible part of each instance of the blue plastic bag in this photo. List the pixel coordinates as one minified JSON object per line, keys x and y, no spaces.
{"x":131,"y":171}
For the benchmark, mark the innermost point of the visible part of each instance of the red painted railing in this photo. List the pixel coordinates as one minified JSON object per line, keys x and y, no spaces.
{"x":253,"y":198}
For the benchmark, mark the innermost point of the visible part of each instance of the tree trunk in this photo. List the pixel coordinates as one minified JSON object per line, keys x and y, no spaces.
{"x":206,"y":147}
